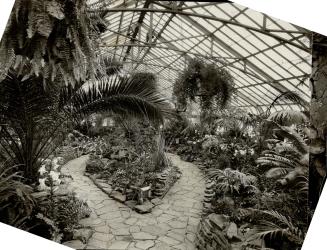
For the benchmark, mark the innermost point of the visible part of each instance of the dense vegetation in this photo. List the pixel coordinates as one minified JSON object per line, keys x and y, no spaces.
{"x":52,"y":80}
{"x":257,"y":168}
{"x":57,"y":90}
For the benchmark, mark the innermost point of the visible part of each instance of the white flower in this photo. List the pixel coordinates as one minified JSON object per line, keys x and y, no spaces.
{"x":242,"y":152}
{"x":42,"y":170}
{"x":42,"y":185}
{"x":55,"y":177}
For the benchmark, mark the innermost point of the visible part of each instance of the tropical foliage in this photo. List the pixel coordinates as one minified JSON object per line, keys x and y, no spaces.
{"x":256,"y":168}
{"x":58,"y":38}
{"x":35,"y":120}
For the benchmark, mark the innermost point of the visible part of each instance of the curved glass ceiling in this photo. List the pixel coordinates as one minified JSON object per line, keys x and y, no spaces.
{"x":265,"y":55}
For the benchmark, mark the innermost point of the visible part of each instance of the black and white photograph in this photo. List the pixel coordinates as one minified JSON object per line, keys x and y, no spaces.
{"x":160,"y":125}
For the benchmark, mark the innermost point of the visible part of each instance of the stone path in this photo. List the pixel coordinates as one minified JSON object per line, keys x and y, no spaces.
{"x":170,"y":225}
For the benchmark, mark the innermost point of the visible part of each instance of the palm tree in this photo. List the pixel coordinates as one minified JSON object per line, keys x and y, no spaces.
{"x":34,"y":119}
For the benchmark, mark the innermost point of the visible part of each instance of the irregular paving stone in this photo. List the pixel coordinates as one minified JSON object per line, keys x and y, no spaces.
{"x":103,"y":236}
{"x":146,"y":207}
{"x":119,"y":245}
{"x":190,"y":237}
{"x":177,"y":224}
{"x":116,"y":226}
{"x":83,"y":234}
{"x":121,"y":231}
{"x":75,"y":244}
{"x":134,"y":229}
{"x":154,"y":230}
{"x":181,"y":247}
{"x":181,"y":231}
{"x":157,"y":212}
{"x":90,"y":221}
{"x":161,"y":246}
{"x":118,"y":196}
{"x":143,"y":236}
{"x":97,"y":243}
{"x":145,"y":244}
{"x":131,"y":221}
{"x":102,"y":229}
{"x":125,"y":214}
{"x":128,"y":238}
{"x":168,"y":240}
{"x":110,"y":215}
{"x":176,"y":236}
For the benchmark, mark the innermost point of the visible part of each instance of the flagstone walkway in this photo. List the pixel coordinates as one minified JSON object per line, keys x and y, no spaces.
{"x":170,"y":225}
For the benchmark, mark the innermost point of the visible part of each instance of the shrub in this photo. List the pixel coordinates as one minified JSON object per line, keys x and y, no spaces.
{"x":65,"y":212}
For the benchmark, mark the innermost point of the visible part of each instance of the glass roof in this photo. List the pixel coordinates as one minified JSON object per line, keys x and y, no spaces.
{"x":265,"y":55}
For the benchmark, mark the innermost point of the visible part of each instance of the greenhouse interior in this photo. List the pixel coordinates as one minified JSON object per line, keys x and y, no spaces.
{"x":144,"y":124}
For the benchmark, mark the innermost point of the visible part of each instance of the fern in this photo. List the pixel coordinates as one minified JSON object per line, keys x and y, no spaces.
{"x":57,"y":38}
{"x":230,"y":181}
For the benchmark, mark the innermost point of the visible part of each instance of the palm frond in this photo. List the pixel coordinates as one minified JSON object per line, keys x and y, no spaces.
{"x":289,"y":96}
{"x":288,"y":150}
{"x":129,"y":96}
{"x":293,"y":137}
{"x":276,"y":161}
{"x":276,"y":226}
{"x":277,"y":172}
{"x":288,"y":117}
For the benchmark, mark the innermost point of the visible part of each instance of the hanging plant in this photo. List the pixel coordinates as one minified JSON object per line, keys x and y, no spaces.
{"x":56,"y":37}
{"x":211,"y":85}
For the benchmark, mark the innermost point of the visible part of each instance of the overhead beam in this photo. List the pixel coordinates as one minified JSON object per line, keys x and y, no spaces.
{"x":276,"y":81}
{"x":159,"y":33}
{"x":235,"y":53}
{"x":207,"y":17}
{"x":137,"y":28}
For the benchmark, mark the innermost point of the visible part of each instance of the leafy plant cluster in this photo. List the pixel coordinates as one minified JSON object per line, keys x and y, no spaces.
{"x":259,"y":175}
{"x":52,"y":78}
{"x":16,"y":200}
{"x":133,"y":157}
{"x":211,"y":85}
{"x":65,"y":213}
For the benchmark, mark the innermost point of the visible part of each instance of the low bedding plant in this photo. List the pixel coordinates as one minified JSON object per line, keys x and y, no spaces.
{"x":134,"y":159}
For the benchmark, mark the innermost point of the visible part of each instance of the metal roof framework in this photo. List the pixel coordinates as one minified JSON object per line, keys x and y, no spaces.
{"x":265,"y":55}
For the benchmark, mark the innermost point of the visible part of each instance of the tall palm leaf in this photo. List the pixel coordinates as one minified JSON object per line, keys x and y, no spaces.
{"x":127,"y":96}
{"x":289,"y":117}
{"x":289,"y":96}
{"x":276,"y":226}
